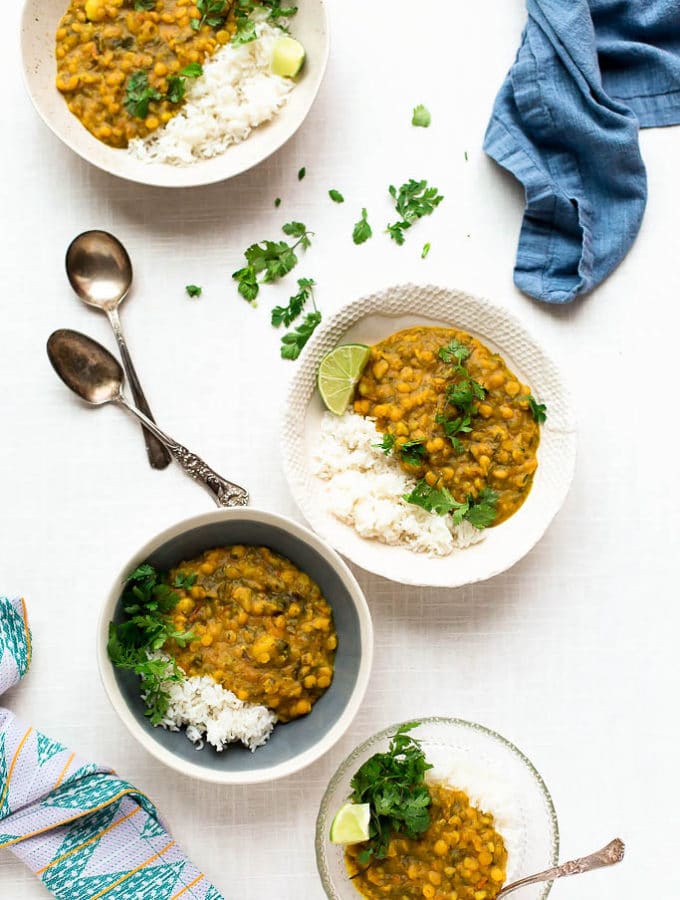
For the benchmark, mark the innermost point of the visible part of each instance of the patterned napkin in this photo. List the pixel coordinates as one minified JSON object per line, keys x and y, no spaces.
{"x":85,"y":833}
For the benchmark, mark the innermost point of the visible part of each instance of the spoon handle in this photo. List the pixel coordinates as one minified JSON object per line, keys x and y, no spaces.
{"x":158,"y":455}
{"x":224,"y":493}
{"x":608,"y":856}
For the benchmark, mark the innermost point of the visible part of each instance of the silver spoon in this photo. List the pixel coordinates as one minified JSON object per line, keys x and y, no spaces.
{"x":97,"y":377}
{"x":608,"y":856}
{"x":100,"y":272}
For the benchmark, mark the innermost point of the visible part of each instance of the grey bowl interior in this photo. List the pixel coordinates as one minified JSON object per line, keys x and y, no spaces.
{"x":287,"y":740}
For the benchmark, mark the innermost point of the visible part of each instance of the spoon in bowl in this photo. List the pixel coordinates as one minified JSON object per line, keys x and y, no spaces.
{"x":608,"y":856}
{"x":96,"y":376}
{"x":100,"y":272}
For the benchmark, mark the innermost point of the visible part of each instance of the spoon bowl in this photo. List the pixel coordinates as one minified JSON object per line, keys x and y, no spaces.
{"x":86,"y":367}
{"x":99,"y":269}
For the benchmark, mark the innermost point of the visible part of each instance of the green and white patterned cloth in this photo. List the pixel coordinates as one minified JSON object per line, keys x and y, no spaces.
{"x":82,"y":830}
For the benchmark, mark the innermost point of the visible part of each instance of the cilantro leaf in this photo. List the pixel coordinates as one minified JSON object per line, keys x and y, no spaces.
{"x":393,"y":784}
{"x":193,"y":290}
{"x":437,"y":500}
{"x":302,"y":173}
{"x":538,"y":410}
{"x":277,"y":202}
{"x":413,"y":200}
{"x":426,"y":250}
{"x":142,"y":5}
{"x":248,"y":287}
{"x":336,"y":196}
{"x":177,"y":84}
{"x":362,"y":230}
{"x":293,"y":342}
{"x":421,"y":117}
{"x":138,"y":94}
{"x":271,"y":260}
{"x":455,"y":351}
{"x":387,"y":443}
{"x":412,"y":452}
{"x":482,"y":510}
{"x":284,"y":315}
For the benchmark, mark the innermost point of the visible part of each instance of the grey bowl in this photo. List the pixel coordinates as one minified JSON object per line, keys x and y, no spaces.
{"x":295,"y":744}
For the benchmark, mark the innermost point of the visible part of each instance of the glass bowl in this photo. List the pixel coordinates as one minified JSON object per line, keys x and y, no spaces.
{"x":493,"y":772}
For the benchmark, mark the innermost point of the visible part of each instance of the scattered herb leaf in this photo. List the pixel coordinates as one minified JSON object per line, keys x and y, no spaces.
{"x":302,"y":173}
{"x":435,"y":500}
{"x":142,"y":5}
{"x":177,"y":84}
{"x":336,"y":196}
{"x":293,"y":342}
{"x":387,"y":443}
{"x":421,"y":117}
{"x":277,"y":202}
{"x":454,"y":352}
{"x":270,"y":259}
{"x":426,"y":250}
{"x":412,"y":452}
{"x":393,"y":784}
{"x":362,"y":230}
{"x":138,"y":94}
{"x":482,"y":510}
{"x":193,"y":290}
{"x":285,"y":315}
{"x":538,"y":410}
{"x":413,"y":200}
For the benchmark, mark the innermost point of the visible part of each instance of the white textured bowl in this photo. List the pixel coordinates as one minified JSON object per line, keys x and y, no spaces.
{"x":38,"y":29}
{"x":375,"y":317}
{"x":296,"y":744}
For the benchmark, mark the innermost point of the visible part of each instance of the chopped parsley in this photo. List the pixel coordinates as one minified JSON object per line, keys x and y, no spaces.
{"x":271,"y":260}
{"x":421,"y":117}
{"x":285,"y":315}
{"x":148,"y":602}
{"x":413,"y":200}
{"x":193,"y":290}
{"x":362,"y":230}
{"x":393,"y":784}
{"x":538,"y":410}
{"x":336,"y":196}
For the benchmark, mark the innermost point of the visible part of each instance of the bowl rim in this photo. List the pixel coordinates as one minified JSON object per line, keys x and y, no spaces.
{"x":161,"y":175}
{"x":281,"y":770}
{"x":320,"y":836}
{"x":332,"y":331}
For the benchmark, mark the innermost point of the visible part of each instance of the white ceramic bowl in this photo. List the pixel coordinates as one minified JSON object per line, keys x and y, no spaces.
{"x":38,"y":29}
{"x":374,"y":318}
{"x":496,"y":776}
{"x":296,"y":744}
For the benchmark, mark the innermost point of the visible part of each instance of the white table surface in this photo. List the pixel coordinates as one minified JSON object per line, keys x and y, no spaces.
{"x":572,"y":654}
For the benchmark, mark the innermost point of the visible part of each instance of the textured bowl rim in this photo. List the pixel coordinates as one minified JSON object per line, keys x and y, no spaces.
{"x":281,"y":770}
{"x":164,"y":175}
{"x":373,"y":304}
{"x":320,"y":836}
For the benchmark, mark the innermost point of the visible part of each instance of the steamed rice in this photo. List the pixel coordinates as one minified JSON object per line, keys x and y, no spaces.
{"x":366,"y":491}
{"x":236,"y":93}
{"x":213,"y":714}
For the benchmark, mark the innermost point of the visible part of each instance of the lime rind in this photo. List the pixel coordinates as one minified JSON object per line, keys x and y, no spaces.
{"x":351,"y":824}
{"x":339,"y":372}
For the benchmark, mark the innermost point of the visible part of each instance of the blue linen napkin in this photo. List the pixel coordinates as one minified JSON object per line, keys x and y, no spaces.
{"x":587,"y":76}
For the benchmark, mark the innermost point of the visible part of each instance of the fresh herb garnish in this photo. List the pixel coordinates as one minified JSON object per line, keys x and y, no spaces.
{"x":463,"y":393}
{"x":302,"y":173}
{"x":393,"y":783}
{"x":413,"y":200}
{"x":426,"y":250}
{"x":212,"y":12}
{"x":193,"y":290}
{"x":277,"y":202}
{"x":479,"y":511}
{"x":336,"y":196}
{"x":362,"y":230}
{"x":177,"y":84}
{"x":412,"y":452}
{"x":138,"y":94}
{"x":271,"y":259}
{"x":148,"y":602}
{"x":454,"y":352}
{"x":285,"y":315}
{"x":387,"y":443}
{"x":538,"y":410}
{"x":142,"y":5}
{"x":435,"y":500}
{"x":293,"y":342}
{"x":454,"y":427}
{"x":245,"y":25}
{"x":421,"y":117}
{"x":482,"y":510}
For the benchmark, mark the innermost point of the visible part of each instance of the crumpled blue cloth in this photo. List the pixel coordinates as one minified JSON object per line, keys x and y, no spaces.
{"x":588,"y":75}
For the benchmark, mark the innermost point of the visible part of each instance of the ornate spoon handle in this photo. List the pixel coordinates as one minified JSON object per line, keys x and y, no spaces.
{"x":608,"y":856}
{"x":224,"y":493}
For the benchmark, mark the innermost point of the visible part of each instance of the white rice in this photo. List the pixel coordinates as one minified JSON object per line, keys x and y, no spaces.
{"x":211,"y":713}
{"x":236,"y":93}
{"x":366,"y":488}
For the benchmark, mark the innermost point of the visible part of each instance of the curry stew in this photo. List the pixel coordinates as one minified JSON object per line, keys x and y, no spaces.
{"x":404,"y":387}
{"x":262,"y":628}
{"x":101,"y":44}
{"x":461,"y":856}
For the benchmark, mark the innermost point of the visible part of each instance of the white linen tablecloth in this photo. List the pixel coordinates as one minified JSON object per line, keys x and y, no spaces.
{"x":572,"y":654}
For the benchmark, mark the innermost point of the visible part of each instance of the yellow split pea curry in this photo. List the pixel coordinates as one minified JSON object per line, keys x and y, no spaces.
{"x":454,"y":413}
{"x":122,"y":65}
{"x":461,"y":856}
{"x":261,"y":628}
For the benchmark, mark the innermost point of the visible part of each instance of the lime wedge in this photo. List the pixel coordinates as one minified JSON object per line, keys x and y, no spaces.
{"x":350,"y":825}
{"x":339,"y":372}
{"x":288,"y":57}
